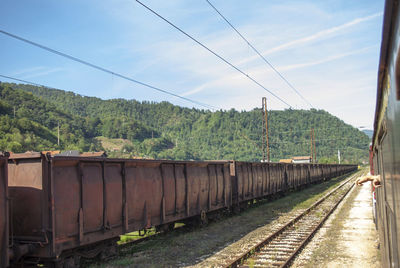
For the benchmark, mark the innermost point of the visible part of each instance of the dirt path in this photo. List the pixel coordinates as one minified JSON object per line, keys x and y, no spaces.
{"x":347,"y":240}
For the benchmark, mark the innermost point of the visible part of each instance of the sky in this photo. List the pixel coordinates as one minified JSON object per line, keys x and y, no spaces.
{"x":328,"y":50}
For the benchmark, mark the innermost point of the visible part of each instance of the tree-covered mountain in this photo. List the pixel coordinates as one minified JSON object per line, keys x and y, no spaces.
{"x":163,"y":130}
{"x":369,"y":132}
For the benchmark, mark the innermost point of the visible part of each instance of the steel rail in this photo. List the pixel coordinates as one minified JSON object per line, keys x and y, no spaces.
{"x":237,"y":261}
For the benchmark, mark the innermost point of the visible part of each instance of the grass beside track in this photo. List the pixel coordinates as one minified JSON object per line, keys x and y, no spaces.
{"x":185,"y":248}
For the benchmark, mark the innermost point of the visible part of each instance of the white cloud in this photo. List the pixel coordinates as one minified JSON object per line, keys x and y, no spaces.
{"x":320,"y":35}
{"x":28,"y":70}
{"x":36,"y":71}
{"x":328,"y":59}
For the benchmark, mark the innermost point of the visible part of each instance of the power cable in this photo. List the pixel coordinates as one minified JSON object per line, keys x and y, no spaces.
{"x":214,"y":53}
{"x":305,"y":141}
{"x":259,"y":54}
{"x":319,"y":129}
{"x":23,"y":81}
{"x":106,"y":70}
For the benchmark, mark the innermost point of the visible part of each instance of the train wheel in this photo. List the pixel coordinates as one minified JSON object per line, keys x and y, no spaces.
{"x":165,"y":227}
{"x":108,"y":252}
{"x":72,"y":262}
{"x":203,"y":218}
{"x":67,"y":262}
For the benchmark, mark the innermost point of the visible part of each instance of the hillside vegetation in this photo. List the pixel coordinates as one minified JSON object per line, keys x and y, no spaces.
{"x":165,"y":131}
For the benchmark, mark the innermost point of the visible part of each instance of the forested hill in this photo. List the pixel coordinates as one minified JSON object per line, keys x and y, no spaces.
{"x":163,"y":130}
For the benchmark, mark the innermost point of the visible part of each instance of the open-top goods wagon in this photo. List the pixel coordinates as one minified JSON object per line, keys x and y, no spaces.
{"x":66,"y":203}
{"x":66,"y":207}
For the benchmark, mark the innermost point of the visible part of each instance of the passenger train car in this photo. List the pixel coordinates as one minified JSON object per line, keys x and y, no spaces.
{"x":386,"y":139}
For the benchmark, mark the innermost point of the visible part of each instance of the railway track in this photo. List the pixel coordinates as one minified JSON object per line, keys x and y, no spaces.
{"x":280,"y":248}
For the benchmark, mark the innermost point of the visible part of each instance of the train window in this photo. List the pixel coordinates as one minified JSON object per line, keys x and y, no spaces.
{"x":376,"y":163}
{"x":398,"y":76}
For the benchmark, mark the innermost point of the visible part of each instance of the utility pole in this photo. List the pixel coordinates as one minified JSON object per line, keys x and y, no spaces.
{"x":311,"y":146}
{"x":315,"y":148}
{"x":58,"y":133}
{"x":265,"y":129}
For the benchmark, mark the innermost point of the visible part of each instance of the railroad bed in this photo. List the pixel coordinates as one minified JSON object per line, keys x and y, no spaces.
{"x":188,"y":247}
{"x":279,"y":248}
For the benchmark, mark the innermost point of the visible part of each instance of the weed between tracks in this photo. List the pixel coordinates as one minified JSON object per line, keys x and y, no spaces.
{"x":186,"y":248}
{"x":330,"y":250}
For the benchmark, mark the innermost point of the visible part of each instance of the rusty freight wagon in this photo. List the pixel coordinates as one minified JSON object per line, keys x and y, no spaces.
{"x":4,"y":222}
{"x":64,"y":207}
{"x":255,"y":180}
{"x":76,"y":206}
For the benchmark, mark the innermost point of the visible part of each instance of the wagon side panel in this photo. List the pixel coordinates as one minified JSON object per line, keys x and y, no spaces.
{"x":4,"y":217}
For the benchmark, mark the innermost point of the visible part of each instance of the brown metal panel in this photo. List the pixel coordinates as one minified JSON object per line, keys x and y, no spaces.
{"x":213,"y":180}
{"x":260,"y":181}
{"x":169,"y":187}
{"x":245,"y":179}
{"x":25,"y":191}
{"x":273,"y":176}
{"x":281,"y":177}
{"x":295,"y":177}
{"x":199,"y":187}
{"x":144,"y":194}
{"x":277,"y":178}
{"x":66,"y":180}
{"x":253,"y":176}
{"x":180,"y":189}
{"x":262,"y":174}
{"x":113,"y":194}
{"x":4,"y":217}
{"x":220,"y":185}
{"x":92,"y":197}
{"x":226,"y":186}
{"x":248,"y":181}
{"x":291,"y":175}
{"x":269,"y":179}
{"x":253,"y":180}
{"x":240,"y":182}
{"x":265,"y":178}
{"x":301,"y":175}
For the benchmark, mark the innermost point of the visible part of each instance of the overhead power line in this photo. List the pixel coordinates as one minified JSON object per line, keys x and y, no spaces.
{"x":107,"y":71}
{"x":261,"y":56}
{"x":23,"y":81}
{"x":295,"y":131}
{"x":306,"y":141}
{"x":214,"y":53}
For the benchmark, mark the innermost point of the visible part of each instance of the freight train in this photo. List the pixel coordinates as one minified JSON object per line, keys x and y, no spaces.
{"x":56,"y":209}
{"x":385,"y":149}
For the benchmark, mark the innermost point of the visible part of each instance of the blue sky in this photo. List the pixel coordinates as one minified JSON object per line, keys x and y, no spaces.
{"x":329,"y":50}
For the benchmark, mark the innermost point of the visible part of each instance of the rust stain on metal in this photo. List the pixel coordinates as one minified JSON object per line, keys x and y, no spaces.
{"x":4,"y":216}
